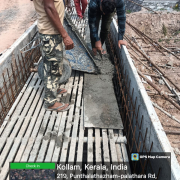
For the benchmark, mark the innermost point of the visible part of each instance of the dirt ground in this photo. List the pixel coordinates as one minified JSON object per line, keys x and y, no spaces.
{"x":165,"y":29}
{"x":16,"y":16}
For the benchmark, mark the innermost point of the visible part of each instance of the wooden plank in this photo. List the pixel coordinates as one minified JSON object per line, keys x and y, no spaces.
{"x":32,"y":149}
{"x":38,"y":123}
{"x":18,"y":109}
{"x":80,"y":143}
{"x":24,"y":144}
{"x":19,"y":138}
{"x":35,"y":121}
{"x":2,"y":140}
{"x":69,"y":122}
{"x":50,"y":150}
{"x":59,"y":139}
{"x":10,"y":157}
{"x":37,"y":143}
{"x":46,"y":138}
{"x":27,"y":123}
{"x":6,"y":150}
{"x":24,"y":119}
{"x":98,"y":149}
{"x":76,"y":122}
{"x":90,"y":150}
{"x":28,"y":109}
{"x":6,"y":120}
{"x":80,"y":137}
{"x":125,"y":155}
{"x":106,"y":151}
{"x":113,"y":152}
{"x":20,"y":121}
{"x":52,"y":143}
{"x":72,"y":150}
{"x":119,"y":153}
{"x":36,"y":147}
{"x":21,"y":149}
{"x":27,"y":150}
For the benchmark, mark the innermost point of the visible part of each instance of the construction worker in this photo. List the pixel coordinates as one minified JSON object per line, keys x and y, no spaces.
{"x":52,"y":33}
{"x":80,"y":11}
{"x":105,"y":9}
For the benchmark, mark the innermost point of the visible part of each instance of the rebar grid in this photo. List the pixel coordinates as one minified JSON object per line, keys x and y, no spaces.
{"x":15,"y":78}
{"x":129,"y":111}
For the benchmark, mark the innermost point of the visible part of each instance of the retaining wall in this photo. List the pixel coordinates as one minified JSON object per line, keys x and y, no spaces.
{"x":14,"y":51}
{"x":155,"y":133}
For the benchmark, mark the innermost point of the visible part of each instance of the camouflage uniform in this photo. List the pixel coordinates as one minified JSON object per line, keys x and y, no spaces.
{"x":52,"y":53}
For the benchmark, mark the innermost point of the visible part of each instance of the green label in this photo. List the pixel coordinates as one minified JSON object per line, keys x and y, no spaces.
{"x":32,"y":165}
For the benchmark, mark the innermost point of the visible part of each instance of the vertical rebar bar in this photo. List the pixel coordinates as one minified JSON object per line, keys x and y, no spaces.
{"x":10,"y":84}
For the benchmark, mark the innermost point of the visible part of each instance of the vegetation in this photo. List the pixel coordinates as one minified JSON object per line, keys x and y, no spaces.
{"x":176,"y":40}
{"x":167,"y":41}
{"x":176,"y":7}
{"x":176,"y":33}
{"x":128,"y":11}
{"x":164,"y":30}
{"x":160,"y":40}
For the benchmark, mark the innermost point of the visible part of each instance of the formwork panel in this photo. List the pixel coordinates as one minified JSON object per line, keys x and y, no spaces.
{"x":32,"y":134}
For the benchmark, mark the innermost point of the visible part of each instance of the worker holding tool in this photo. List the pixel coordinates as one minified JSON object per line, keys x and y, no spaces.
{"x":106,"y":10}
{"x":53,"y":35}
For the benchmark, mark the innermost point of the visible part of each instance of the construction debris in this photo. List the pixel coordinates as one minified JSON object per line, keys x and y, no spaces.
{"x":172,"y":117}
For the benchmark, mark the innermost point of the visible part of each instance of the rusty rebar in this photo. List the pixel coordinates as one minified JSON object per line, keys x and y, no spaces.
{"x":147,"y":39}
{"x":15,"y":81}
{"x":10,"y":84}
{"x":172,"y":132}
{"x":6,"y":91}
{"x":149,"y":59}
{"x":159,"y":90}
{"x":14,"y":76}
{"x":152,"y":41}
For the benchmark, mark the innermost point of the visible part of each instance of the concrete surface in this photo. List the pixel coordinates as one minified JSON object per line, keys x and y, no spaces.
{"x":100,"y":105}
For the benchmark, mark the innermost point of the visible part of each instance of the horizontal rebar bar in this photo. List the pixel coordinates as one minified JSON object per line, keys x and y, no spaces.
{"x":149,"y":59}
{"x":159,"y":90}
{"x":169,"y":115}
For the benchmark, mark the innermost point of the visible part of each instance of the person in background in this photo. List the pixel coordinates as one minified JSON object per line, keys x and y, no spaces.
{"x":80,"y":11}
{"x":53,"y":35}
{"x":105,"y":9}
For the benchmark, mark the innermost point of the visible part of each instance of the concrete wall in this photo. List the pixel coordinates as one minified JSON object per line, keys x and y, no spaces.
{"x":151,"y":121}
{"x":11,"y":54}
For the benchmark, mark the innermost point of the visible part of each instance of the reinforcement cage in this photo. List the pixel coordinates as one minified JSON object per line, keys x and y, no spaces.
{"x":16,"y":76}
{"x":129,"y":110}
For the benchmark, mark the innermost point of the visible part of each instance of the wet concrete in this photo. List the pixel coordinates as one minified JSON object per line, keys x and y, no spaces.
{"x":100,"y":105}
{"x":101,"y":109}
